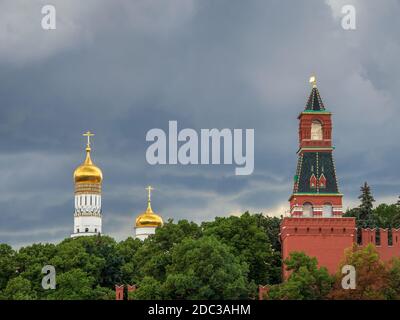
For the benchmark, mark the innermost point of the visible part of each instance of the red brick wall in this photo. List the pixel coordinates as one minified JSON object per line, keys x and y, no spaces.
{"x":327,"y":238}
{"x":386,"y":251}
{"x":323,"y":238}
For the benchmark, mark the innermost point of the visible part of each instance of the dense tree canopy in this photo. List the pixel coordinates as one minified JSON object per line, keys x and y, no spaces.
{"x":8,"y":265}
{"x":78,"y":285}
{"x":306,"y":281}
{"x":176,"y":263}
{"x":393,"y":280}
{"x":154,"y":255}
{"x":206,"y":268}
{"x":19,"y":288}
{"x":248,"y":237}
{"x":386,"y":216}
{"x":223,"y":259}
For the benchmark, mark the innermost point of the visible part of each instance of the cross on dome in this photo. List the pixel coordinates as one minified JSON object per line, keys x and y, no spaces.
{"x":149,"y":190}
{"x":88,"y":134}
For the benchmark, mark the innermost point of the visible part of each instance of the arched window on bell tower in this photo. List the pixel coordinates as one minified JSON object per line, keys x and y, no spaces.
{"x":307,"y":210}
{"x":316,"y":130}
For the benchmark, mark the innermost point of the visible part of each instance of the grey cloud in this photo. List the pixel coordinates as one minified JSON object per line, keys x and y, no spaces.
{"x":120,"y":69}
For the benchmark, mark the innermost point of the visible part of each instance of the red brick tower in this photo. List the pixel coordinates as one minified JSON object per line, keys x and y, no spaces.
{"x":316,"y":226}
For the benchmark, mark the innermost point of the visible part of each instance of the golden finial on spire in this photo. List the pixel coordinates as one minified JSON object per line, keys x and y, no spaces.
{"x":88,"y":135}
{"x":313,"y":81}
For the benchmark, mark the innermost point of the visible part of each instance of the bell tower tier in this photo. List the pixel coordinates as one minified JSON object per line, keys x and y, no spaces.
{"x":88,"y":179}
{"x":315,"y":191}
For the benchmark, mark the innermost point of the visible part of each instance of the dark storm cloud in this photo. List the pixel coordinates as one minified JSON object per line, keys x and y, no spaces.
{"x":123,"y":69}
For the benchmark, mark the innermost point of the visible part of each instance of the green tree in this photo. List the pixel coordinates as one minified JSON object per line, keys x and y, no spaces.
{"x":371,"y":275}
{"x":205,"y":268}
{"x":105,"y":248}
{"x":353,"y":212}
{"x":272,"y":228}
{"x":393,"y":277}
{"x":71,"y":254}
{"x":96,"y":255}
{"x":364,"y":213}
{"x":127,"y":250}
{"x":148,"y":289}
{"x":29,"y":263}
{"x":366,"y":206}
{"x":8,"y":267}
{"x":387,"y":216}
{"x":154,"y":255}
{"x":251,"y":243}
{"x":306,"y":281}
{"x":78,"y":285}
{"x":19,"y":288}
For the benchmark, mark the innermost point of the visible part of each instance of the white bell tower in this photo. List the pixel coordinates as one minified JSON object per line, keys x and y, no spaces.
{"x":88,"y":179}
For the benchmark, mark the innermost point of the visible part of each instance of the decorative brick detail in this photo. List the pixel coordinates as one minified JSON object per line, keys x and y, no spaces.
{"x":317,"y":200}
{"x":85,"y":188}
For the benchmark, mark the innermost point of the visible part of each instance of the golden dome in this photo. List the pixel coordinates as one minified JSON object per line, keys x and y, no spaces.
{"x":149,"y":218}
{"x":88,"y":172}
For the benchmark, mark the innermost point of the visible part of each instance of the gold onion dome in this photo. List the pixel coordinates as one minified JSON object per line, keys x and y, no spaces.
{"x":149,"y":218}
{"x":88,"y":172}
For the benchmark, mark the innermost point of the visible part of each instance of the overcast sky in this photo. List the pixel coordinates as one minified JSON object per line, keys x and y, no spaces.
{"x":121,"y":68}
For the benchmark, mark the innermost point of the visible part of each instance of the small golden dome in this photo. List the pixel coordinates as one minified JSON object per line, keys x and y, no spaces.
{"x":149,"y":218}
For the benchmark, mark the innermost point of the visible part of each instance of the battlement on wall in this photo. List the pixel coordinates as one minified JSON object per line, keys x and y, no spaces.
{"x":317,"y":226}
{"x":380,"y":237}
{"x":386,"y":241}
{"x":120,"y":291}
